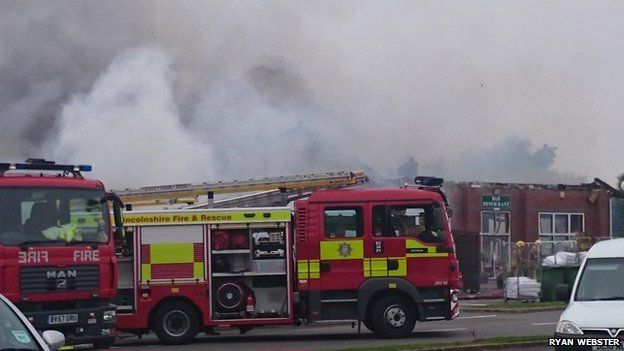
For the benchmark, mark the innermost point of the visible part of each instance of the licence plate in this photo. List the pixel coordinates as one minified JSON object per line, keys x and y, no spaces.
{"x":63,"y":318}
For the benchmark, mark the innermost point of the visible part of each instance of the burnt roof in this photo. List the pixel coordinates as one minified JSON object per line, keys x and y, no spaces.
{"x":596,"y":184}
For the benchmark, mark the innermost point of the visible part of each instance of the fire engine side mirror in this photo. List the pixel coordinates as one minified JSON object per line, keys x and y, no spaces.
{"x":117,"y":205}
{"x":119,"y":233}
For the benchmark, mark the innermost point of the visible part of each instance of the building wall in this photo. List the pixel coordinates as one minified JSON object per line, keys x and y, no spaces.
{"x":477,"y":263}
{"x":526,"y":204}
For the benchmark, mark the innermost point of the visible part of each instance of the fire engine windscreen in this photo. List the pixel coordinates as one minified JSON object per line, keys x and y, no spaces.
{"x":31,"y":216}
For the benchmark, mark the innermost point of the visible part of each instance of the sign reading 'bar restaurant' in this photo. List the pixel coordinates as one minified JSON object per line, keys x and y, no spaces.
{"x":496,"y":202}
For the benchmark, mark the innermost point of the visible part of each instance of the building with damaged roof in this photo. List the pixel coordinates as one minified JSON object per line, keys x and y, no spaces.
{"x":489,"y":217}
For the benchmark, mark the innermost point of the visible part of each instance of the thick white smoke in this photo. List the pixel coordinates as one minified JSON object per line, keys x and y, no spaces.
{"x":274,"y":87}
{"x":129,"y":127}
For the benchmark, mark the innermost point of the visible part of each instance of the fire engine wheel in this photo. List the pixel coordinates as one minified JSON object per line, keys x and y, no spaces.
{"x":176,"y":322}
{"x":393,"y":317}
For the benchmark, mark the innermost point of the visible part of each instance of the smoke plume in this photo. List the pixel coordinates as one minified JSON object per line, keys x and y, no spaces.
{"x":152,"y":92}
{"x":509,"y":161}
{"x":128,"y":115}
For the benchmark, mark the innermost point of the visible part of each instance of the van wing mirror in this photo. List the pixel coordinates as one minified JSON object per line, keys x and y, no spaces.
{"x":54,"y":339}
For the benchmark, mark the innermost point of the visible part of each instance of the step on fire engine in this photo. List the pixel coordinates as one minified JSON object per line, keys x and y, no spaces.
{"x":382,"y":257}
{"x":57,"y":252}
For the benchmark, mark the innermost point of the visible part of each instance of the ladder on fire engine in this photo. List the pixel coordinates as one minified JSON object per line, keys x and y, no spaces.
{"x":291,"y":187}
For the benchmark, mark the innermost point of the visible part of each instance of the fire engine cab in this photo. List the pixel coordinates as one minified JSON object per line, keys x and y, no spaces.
{"x":382,"y":257}
{"x":57,"y":258}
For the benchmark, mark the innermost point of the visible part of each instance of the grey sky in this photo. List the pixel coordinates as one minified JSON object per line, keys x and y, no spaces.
{"x":196,"y":89}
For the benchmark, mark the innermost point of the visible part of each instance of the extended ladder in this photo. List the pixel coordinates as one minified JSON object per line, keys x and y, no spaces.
{"x":189,"y":192}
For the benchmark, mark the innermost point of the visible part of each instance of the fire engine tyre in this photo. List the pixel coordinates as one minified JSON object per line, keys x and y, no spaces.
{"x":176,"y":322}
{"x":393,"y":317}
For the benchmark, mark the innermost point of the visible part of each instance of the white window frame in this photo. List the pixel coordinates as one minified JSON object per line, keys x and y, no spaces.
{"x":495,"y":212}
{"x":552,"y":228}
{"x":499,"y":236}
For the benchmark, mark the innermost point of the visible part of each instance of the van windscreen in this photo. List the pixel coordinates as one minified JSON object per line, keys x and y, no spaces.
{"x":601,"y":280}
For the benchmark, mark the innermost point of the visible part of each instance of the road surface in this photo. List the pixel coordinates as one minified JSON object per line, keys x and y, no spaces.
{"x":470,"y":325}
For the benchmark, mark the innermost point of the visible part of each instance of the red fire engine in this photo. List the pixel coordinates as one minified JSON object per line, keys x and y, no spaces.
{"x":383,"y":257}
{"x":57,"y":259}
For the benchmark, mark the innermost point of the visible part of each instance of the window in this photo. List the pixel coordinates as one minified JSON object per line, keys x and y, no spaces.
{"x":493,"y":222}
{"x":545,"y":224}
{"x":564,"y":224}
{"x":576,"y":223}
{"x":495,"y":238}
{"x":601,"y":280}
{"x":617,"y":217}
{"x":14,"y":334}
{"x":425,"y":223}
{"x":44,"y":215}
{"x":343,"y":222}
{"x":561,"y":224}
{"x":559,"y":227}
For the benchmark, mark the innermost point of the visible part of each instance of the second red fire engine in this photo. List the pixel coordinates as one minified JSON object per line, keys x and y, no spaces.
{"x":382,"y":257}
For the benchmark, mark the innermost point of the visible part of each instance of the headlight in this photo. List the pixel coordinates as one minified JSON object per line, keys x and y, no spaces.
{"x":567,"y":327}
{"x":110,"y":315}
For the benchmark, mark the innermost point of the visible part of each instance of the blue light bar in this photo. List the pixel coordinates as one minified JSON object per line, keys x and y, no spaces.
{"x":429,"y":181}
{"x":44,"y":166}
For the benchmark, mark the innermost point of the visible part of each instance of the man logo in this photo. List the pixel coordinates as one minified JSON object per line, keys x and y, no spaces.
{"x":60,"y":277}
{"x":71,"y":273}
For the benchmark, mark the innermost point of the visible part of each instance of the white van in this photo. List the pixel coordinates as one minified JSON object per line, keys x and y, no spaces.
{"x":596,"y":307}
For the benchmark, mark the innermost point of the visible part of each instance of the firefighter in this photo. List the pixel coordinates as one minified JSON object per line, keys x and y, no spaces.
{"x":339,"y":232}
{"x":41,"y":218}
{"x":43,"y":224}
{"x":396,"y":221}
{"x":427,"y":234}
{"x":66,"y":232}
{"x":378,"y":222}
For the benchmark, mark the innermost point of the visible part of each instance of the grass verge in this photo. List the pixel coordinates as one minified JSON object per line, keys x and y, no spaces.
{"x":520,"y":304}
{"x":476,"y":342}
